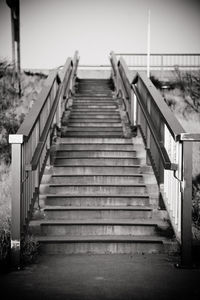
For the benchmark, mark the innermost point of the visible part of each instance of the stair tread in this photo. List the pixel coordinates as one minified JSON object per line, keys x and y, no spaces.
{"x":96,"y":158}
{"x":99,"y":175}
{"x":95,"y":150}
{"x":134,"y":208}
{"x":105,"y":238}
{"x":102,"y":166}
{"x":97,"y":140}
{"x":95,"y":184}
{"x":97,"y":196}
{"x":144,"y":222}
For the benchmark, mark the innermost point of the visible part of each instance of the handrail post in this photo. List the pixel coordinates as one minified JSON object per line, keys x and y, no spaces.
{"x":16,"y":140}
{"x":186,"y":222}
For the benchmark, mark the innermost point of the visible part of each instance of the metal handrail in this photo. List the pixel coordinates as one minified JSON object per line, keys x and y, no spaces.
{"x":32,"y":117}
{"x":159,"y":54}
{"x":168,"y":149}
{"x":169,"y":119}
{"x":167,"y":164}
{"x":31,"y":147}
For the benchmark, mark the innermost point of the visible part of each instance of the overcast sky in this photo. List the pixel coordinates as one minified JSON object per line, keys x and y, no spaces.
{"x":51,"y":30}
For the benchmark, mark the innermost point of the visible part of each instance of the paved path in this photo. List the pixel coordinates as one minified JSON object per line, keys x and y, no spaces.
{"x":105,"y":277}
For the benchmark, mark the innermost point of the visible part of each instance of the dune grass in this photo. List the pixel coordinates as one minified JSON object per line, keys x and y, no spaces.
{"x":12,"y":112}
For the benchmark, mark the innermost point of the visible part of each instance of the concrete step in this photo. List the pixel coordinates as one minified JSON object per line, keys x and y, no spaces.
{"x":91,"y":200}
{"x":92,"y":95}
{"x":105,"y":244}
{"x":96,"y":147}
{"x":94,"y":129}
{"x":99,"y":110}
{"x":95,"y":99}
{"x":95,"y":227}
{"x":93,"y":212}
{"x":95,"y":170}
{"x":94,"y":102}
{"x":85,"y":140}
{"x":93,"y":113}
{"x":92,"y":119}
{"x":95,"y":153}
{"x":97,"y":161}
{"x":93,"y":189}
{"x":110,"y":134}
{"x":94,"y":106}
{"x":96,"y":179}
{"x":90,"y":124}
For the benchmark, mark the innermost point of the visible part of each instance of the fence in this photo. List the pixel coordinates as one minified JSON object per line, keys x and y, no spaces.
{"x":161,"y":61}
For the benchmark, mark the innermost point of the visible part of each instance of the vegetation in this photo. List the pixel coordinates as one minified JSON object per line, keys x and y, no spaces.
{"x":183,"y":97}
{"x":12,"y":112}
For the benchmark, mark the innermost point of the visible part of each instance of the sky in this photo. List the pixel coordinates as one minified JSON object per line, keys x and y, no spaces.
{"x":51,"y":30}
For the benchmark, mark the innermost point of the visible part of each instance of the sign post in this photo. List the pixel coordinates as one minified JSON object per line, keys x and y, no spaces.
{"x":148,"y":45}
{"x":15,"y":27}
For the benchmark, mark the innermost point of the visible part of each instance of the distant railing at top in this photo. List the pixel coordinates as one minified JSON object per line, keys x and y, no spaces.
{"x":31,"y":148}
{"x":169,"y":148}
{"x":161,"y":61}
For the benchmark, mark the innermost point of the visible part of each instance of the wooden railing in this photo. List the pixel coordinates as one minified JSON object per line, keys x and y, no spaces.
{"x":169,"y":148}
{"x":161,"y":61}
{"x":31,"y":148}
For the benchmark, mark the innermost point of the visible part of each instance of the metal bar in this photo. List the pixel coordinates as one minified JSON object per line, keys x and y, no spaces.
{"x":186,"y":216}
{"x":16,"y":141}
{"x":44,"y":135}
{"x":163,"y":154}
{"x":168,"y":118}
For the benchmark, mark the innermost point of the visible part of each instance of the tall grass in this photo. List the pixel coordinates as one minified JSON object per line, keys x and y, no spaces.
{"x":12,"y":112}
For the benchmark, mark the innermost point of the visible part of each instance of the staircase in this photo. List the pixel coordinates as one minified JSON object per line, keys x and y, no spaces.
{"x":94,"y":198}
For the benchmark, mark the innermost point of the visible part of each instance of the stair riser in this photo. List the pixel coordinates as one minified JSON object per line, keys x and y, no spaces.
{"x":95,"y":154}
{"x":93,"y":170}
{"x":93,"y":129}
{"x":92,"y":119}
{"x":97,"y":161}
{"x":92,"y":134}
{"x":93,"y":102}
{"x":96,"y":180}
{"x":95,"y":106}
{"x":71,"y":140}
{"x":96,"y":147}
{"x":90,"y":124}
{"x":95,"y":109}
{"x":91,"y":95}
{"x":98,"y":214}
{"x":96,"y":201}
{"x":101,"y":248}
{"x":96,"y":190}
{"x":93,"y":112}
{"x":83,"y":230}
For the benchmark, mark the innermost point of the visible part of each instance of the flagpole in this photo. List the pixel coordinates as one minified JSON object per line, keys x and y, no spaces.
{"x":148,"y":44}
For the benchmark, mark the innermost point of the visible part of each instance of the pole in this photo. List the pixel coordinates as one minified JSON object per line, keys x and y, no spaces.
{"x":148,"y":45}
{"x":15,"y":27}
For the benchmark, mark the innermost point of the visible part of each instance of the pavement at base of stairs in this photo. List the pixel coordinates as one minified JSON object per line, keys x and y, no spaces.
{"x":102,"y":277}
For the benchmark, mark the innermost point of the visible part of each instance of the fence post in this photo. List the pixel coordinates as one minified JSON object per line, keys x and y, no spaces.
{"x":16,"y":167}
{"x":186,"y":213}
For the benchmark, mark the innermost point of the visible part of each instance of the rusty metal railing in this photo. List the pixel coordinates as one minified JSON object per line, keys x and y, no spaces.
{"x":31,"y":148}
{"x":169,"y":148}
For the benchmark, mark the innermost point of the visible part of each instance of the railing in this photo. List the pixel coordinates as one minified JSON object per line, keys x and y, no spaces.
{"x":161,"y":61}
{"x":31,"y":148}
{"x":168,"y":146}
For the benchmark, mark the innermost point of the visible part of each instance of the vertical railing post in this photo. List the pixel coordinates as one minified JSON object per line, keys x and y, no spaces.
{"x":186,"y":214}
{"x":16,"y":166}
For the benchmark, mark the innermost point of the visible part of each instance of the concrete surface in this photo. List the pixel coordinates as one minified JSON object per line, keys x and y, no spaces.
{"x":105,"y":277}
